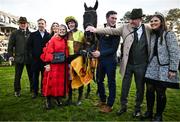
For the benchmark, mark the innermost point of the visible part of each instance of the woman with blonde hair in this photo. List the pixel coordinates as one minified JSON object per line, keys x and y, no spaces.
{"x":56,"y":71}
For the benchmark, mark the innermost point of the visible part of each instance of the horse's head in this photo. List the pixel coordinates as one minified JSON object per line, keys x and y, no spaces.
{"x":90,"y":15}
{"x":90,"y":18}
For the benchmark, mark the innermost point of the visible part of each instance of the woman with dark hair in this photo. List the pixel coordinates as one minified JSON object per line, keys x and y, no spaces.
{"x":162,"y":70}
{"x":56,"y":73}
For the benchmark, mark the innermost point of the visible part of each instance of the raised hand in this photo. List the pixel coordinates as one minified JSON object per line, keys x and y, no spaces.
{"x":91,"y":29}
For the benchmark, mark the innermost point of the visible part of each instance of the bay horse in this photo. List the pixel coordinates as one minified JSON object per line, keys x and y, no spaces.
{"x":89,"y":18}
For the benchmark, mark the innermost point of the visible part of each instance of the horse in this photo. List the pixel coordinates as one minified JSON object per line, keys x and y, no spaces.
{"x":89,"y":18}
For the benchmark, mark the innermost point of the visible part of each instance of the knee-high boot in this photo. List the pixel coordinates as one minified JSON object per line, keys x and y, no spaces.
{"x":150,"y":99}
{"x":161,"y":103}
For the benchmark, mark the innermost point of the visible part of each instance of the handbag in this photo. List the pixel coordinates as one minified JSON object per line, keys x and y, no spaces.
{"x":58,"y":57}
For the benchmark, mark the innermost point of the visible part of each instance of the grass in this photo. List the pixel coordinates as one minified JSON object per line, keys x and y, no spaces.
{"x":26,"y":109}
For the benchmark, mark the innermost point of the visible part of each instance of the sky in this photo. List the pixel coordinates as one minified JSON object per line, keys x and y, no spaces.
{"x":57,"y":10}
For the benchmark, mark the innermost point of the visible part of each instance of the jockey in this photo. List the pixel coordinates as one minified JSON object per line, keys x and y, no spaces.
{"x":75,"y":44}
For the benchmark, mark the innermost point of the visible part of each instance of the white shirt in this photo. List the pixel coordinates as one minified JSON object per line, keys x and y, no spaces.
{"x":42,"y":33}
{"x":139,"y":32}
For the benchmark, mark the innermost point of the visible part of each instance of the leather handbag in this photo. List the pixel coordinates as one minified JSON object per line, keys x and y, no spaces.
{"x":58,"y":57}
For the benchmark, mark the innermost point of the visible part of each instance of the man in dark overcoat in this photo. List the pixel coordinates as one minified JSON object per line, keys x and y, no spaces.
{"x":36,"y":42}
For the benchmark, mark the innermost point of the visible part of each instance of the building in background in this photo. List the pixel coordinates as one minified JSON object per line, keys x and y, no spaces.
{"x":9,"y":23}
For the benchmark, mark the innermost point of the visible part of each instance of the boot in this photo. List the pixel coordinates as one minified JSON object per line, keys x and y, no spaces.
{"x":150,"y":99}
{"x":148,"y":115}
{"x":48,"y":103}
{"x":157,"y":118}
{"x":80,"y":90}
{"x":122,"y":110}
{"x":68,"y":102}
{"x":58,"y":101}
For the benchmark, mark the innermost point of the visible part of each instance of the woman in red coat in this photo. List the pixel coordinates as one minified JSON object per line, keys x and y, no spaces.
{"x":56,"y":74}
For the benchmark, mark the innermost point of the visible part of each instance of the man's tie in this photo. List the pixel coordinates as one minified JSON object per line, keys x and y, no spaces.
{"x":135,"y":34}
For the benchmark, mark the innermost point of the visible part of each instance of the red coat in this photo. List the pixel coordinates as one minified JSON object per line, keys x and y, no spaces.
{"x":55,"y":80}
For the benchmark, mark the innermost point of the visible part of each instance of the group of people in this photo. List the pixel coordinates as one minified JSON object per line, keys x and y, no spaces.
{"x":37,"y":51}
{"x":149,"y":52}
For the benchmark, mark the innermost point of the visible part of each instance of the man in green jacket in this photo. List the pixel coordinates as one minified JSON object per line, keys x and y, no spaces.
{"x":17,"y":50}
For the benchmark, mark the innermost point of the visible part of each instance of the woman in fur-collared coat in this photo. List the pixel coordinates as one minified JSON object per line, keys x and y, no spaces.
{"x":55,"y":74}
{"x":162,"y":70}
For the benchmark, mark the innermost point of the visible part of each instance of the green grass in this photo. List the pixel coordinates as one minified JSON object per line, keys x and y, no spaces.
{"x":26,"y":109}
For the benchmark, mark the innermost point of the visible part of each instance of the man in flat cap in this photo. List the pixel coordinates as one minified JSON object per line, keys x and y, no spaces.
{"x":17,"y":50}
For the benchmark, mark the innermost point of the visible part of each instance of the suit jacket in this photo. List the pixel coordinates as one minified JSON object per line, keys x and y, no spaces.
{"x":36,"y":44}
{"x":125,"y":32}
{"x":108,"y":45}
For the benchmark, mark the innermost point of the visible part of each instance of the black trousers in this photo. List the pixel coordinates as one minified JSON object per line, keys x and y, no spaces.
{"x":18,"y":73}
{"x":138,"y":71}
{"x":37,"y":68}
{"x":160,"y":97}
{"x":107,"y":67}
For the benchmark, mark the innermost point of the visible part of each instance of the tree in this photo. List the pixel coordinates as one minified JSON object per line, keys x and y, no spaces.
{"x":173,"y":14}
{"x":173,"y":17}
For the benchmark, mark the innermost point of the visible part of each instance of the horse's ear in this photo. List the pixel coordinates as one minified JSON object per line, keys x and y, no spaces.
{"x":96,"y":5}
{"x":85,"y":6}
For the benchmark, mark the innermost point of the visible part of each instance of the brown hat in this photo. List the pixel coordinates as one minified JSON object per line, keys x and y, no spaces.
{"x":22,"y":20}
{"x":136,"y":13}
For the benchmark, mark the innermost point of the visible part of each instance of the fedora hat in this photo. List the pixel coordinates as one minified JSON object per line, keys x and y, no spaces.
{"x":136,"y":13}
{"x":22,"y":20}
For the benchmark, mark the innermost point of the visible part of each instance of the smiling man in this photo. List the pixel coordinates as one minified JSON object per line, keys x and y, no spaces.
{"x":106,"y":55}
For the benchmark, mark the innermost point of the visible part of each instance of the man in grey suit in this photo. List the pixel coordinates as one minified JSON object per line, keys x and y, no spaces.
{"x":134,"y":57}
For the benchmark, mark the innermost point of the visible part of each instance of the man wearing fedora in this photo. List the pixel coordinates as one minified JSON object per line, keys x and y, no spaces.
{"x":17,"y":50}
{"x":134,"y":58}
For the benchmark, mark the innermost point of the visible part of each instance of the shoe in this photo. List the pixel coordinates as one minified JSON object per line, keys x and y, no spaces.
{"x":34,"y":96}
{"x":48,"y":105}
{"x":100,"y":104}
{"x":17,"y":94}
{"x":121,"y":111}
{"x":78,"y":103}
{"x":137,"y":113}
{"x":58,"y":102}
{"x":106,"y":109}
{"x":147,"y":115}
{"x":68,"y":102}
{"x":157,"y":118}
